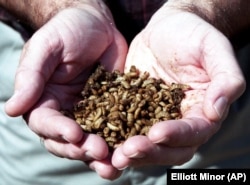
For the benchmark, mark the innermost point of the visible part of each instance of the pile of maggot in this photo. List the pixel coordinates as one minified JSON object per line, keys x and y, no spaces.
{"x":117,"y":105}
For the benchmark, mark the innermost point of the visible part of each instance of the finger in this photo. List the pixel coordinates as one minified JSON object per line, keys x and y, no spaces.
{"x":227,"y":81}
{"x":119,"y":159}
{"x":139,"y":150}
{"x":36,"y":66}
{"x":91,"y":147}
{"x":114,"y":57}
{"x":50,"y":123}
{"x":182,"y":133}
{"x":224,"y":89}
{"x":105,"y":169}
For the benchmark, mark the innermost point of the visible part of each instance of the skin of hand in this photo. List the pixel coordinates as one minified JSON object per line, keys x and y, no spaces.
{"x":50,"y":76}
{"x":180,"y":47}
{"x":54,"y":65}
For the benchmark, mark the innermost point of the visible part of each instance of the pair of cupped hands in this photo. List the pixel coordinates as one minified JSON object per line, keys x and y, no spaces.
{"x":176,"y":46}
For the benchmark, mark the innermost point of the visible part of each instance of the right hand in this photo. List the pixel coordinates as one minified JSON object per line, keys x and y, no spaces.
{"x":54,"y":66}
{"x":197,"y":55}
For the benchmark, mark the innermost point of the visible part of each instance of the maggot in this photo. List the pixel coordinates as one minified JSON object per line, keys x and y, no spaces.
{"x":117,"y":105}
{"x":113,"y":127}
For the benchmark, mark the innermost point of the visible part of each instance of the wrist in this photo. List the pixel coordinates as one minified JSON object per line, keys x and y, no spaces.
{"x":230,"y":17}
{"x":207,"y":10}
{"x":37,"y":13}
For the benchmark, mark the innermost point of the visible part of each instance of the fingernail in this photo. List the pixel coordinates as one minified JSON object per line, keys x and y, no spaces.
{"x":92,"y":167}
{"x":220,"y":106}
{"x":137,"y":155}
{"x":10,"y":105}
{"x":13,"y":97}
{"x":122,"y":168}
{"x":65,"y":139}
{"x":88,"y":156}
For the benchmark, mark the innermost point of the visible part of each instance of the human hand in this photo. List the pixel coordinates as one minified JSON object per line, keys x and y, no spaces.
{"x":180,"y":47}
{"x":54,"y":66}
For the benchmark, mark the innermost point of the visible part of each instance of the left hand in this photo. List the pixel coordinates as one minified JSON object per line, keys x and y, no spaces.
{"x":180,"y":47}
{"x":54,"y":65}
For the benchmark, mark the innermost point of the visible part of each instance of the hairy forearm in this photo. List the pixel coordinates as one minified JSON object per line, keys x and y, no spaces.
{"x":229,"y":16}
{"x":37,"y":12}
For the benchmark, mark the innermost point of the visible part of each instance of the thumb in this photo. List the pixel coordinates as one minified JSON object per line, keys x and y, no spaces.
{"x":28,"y":90}
{"x":35,"y":68}
{"x":227,"y":82}
{"x":224,"y":89}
